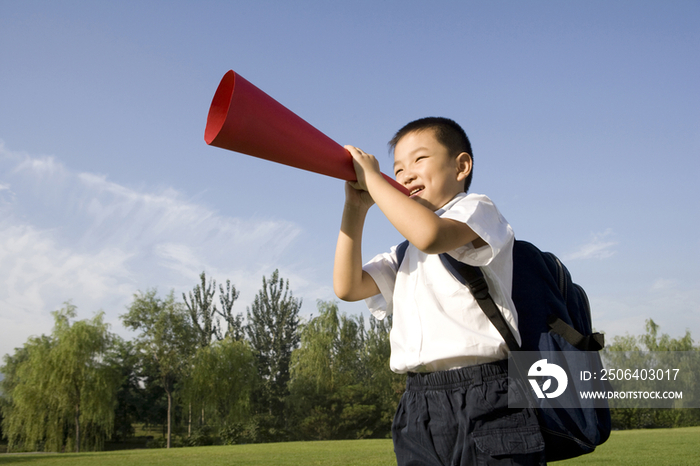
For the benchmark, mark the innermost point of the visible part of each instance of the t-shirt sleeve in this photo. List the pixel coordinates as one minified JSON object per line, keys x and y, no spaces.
{"x":482,"y":216}
{"x":382,"y":268}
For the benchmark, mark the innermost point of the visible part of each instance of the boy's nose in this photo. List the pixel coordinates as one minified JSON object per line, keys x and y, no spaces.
{"x":406,"y":178}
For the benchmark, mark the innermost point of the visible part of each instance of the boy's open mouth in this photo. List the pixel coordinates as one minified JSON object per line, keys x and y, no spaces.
{"x":415,"y":191}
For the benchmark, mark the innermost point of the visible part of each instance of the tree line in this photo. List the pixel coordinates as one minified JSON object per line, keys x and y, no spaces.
{"x":209,"y":375}
{"x":634,"y":352}
{"x":203,"y":372}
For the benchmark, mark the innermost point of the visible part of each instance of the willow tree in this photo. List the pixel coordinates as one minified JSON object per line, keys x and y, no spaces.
{"x":14,"y":386}
{"x":322,"y":367}
{"x":341,"y":384}
{"x":221,"y":380}
{"x":62,"y":394}
{"x":330,"y":352}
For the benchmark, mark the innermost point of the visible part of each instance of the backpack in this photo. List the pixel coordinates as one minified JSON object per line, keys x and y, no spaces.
{"x":554,"y":320}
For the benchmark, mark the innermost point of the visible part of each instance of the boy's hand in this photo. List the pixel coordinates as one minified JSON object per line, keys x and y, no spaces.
{"x":356,"y":197}
{"x":365,"y":165}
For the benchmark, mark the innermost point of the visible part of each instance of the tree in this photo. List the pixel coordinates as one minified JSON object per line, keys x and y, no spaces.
{"x":205,"y":320}
{"x":325,"y":374}
{"x":341,"y":384}
{"x":654,"y":342}
{"x":272,"y":332}
{"x":131,"y":400}
{"x":330,"y":352}
{"x":154,"y":407}
{"x":227,"y":298}
{"x":649,"y":352}
{"x":202,"y":311}
{"x":221,"y":380}
{"x":62,"y":393}
{"x":205,"y":315}
{"x":166,"y":337}
{"x":11,"y":369}
{"x":385,"y":384}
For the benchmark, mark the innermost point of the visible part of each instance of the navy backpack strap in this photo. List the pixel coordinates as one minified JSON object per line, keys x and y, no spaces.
{"x":401,"y":253}
{"x":593,"y":342}
{"x":473,"y":278}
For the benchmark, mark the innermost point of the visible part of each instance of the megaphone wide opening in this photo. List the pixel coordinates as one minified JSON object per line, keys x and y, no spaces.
{"x":219,"y":106}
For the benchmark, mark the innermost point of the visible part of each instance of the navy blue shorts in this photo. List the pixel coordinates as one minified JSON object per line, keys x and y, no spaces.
{"x":461,"y":417}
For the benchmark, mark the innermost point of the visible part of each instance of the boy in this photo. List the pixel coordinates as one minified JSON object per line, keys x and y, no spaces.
{"x":455,"y":408}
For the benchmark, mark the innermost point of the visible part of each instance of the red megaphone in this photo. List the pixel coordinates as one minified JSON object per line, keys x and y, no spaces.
{"x":244,"y":119}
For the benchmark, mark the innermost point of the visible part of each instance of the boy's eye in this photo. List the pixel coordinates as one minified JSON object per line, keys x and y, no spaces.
{"x":396,"y":173}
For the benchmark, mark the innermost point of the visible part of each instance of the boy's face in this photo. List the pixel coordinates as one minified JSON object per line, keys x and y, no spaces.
{"x":425,"y":167}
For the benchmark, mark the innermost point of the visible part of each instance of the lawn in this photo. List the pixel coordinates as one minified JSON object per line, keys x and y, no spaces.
{"x":675,"y":447}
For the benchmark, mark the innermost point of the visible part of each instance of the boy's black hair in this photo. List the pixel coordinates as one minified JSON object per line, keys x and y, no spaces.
{"x":447,"y":132}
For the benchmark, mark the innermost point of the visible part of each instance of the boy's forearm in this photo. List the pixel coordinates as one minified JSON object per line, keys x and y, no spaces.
{"x":350,"y":282}
{"x":418,"y":224}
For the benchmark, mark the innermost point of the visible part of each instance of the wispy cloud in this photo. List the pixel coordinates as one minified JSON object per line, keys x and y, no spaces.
{"x":599,"y":247}
{"x":68,"y":235}
{"x":663,"y":285}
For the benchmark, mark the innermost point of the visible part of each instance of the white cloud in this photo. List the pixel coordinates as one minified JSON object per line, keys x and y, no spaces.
{"x":663,"y":284}
{"x":597,"y":248}
{"x":78,"y":236}
{"x":37,"y":276}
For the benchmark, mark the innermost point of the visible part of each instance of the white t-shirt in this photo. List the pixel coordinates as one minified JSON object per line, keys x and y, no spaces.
{"x":437,"y":323}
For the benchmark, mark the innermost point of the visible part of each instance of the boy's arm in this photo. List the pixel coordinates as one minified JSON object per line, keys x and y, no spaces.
{"x":350,"y":282}
{"x":418,"y":224}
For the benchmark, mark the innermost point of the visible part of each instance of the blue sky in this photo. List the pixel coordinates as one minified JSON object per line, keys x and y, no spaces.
{"x":584,"y":118}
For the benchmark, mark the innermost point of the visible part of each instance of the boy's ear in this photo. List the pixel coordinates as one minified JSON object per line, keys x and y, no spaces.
{"x":464,"y":165}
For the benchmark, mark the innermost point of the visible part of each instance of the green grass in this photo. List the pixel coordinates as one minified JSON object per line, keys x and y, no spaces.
{"x":347,"y":452}
{"x":652,"y":447}
{"x":673,"y":447}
